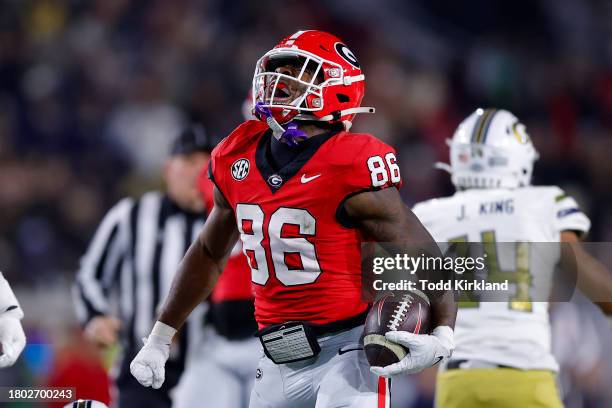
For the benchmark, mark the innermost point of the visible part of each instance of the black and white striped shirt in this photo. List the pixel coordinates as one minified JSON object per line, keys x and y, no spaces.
{"x":129,"y":266}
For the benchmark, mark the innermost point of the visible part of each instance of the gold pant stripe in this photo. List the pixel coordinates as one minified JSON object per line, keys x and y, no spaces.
{"x":497,"y":387}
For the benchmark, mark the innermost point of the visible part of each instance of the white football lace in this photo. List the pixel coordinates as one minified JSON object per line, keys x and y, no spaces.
{"x":400,"y":312}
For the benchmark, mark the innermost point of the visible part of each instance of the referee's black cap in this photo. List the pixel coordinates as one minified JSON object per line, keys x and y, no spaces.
{"x":192,"y":139}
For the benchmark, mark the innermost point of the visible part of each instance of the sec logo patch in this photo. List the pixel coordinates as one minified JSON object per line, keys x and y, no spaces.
{"x":240,"y":169}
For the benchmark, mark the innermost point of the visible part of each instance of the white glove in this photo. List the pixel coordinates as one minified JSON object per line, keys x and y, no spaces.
{"x":148,"y":367}
{"x":12,"y":337}
{"x":425,"y":350}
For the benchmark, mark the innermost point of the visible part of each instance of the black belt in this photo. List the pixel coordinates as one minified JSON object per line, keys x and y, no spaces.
{"x":456,"y":364}
{"x":321,"y":330}
{"x":296,"y":341}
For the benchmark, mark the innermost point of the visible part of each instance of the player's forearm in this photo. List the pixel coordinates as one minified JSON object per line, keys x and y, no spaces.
{"x":202,"y":265}
{"x":383,"y":216}
{"x":420,"y":242}
{"x":194,"y":281}
{"x":594,"y":279}
{"x":443,"y":310}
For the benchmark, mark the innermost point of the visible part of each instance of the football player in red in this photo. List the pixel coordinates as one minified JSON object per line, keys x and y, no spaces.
{"x":303,"y":193}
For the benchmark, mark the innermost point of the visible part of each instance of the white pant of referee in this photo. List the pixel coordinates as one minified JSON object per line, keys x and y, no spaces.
{"x":219,"y":373}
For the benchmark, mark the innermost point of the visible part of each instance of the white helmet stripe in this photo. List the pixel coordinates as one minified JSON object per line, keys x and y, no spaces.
{"x":295,"y":37}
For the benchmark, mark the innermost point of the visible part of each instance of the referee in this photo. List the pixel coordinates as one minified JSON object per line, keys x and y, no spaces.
{"x":128,"y":268}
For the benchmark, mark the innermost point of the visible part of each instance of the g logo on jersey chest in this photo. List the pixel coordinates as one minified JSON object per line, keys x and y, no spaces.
{"x":275,"y":180}
{"x":240,"y":169}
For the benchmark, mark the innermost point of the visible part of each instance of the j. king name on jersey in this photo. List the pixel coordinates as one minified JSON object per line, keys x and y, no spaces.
{"x":504,"y":206}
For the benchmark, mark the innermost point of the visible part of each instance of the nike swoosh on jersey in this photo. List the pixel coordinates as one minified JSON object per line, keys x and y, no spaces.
{"x":305,"y":179}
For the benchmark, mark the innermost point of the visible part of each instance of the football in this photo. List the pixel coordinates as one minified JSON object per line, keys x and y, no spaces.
{"x":405,"y":312}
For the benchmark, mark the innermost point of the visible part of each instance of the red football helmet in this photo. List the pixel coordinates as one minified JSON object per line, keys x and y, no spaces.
{"x":325,"y":72}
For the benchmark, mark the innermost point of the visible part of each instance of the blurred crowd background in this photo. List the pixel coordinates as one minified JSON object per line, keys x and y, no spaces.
{"x":92,"y":92}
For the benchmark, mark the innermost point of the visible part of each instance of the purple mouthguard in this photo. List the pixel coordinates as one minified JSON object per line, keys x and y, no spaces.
{"x":291,"y":134}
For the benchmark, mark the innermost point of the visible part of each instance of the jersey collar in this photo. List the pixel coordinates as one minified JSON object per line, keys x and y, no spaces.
{"x":275,"y":179}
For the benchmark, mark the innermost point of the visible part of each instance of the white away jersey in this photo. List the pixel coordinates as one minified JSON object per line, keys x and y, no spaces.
{"x":513,"y":333}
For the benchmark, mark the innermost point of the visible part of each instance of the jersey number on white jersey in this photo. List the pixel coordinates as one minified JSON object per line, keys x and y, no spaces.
{"x":520,"y":276}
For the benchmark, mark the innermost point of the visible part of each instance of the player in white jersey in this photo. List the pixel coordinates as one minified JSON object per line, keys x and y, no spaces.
{"x":503,"y":356}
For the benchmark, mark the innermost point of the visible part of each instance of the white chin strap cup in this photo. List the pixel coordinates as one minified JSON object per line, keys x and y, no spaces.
{"x":444,"y":166}
{"x":350,"y":111}
{"x":278,"y":129}
{"x":347,"y":123}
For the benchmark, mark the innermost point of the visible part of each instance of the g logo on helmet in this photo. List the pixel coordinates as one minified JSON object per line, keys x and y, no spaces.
{"x":520,"y":132}
{"x":346,"y":54}
{"x":240,"y":169}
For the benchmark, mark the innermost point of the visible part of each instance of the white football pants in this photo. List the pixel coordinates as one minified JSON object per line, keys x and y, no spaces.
{"x":338,"y":377}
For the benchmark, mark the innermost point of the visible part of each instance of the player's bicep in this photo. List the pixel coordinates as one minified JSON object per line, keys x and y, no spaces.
{"x":219,"y":234}
{"x":383,"y":216}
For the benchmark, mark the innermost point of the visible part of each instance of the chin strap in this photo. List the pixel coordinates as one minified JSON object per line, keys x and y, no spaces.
{"x":444,"y":166}
{"x":290,"y":135}
{"x":351,"y":111}
{"x":336,"y":116}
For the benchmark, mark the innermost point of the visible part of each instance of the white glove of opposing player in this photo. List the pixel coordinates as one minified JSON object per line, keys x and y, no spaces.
{"x":12,"y":337}
{"x":148,"y":367}
{"x":426,"y":350}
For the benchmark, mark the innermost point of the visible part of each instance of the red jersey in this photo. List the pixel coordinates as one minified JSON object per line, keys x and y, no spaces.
{"x":305,"y":262}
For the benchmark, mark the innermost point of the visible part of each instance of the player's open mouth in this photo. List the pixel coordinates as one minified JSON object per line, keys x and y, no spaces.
{"x":282,"y":92}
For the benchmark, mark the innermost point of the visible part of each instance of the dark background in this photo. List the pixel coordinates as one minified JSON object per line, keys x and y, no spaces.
{"x":91,"y":92}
